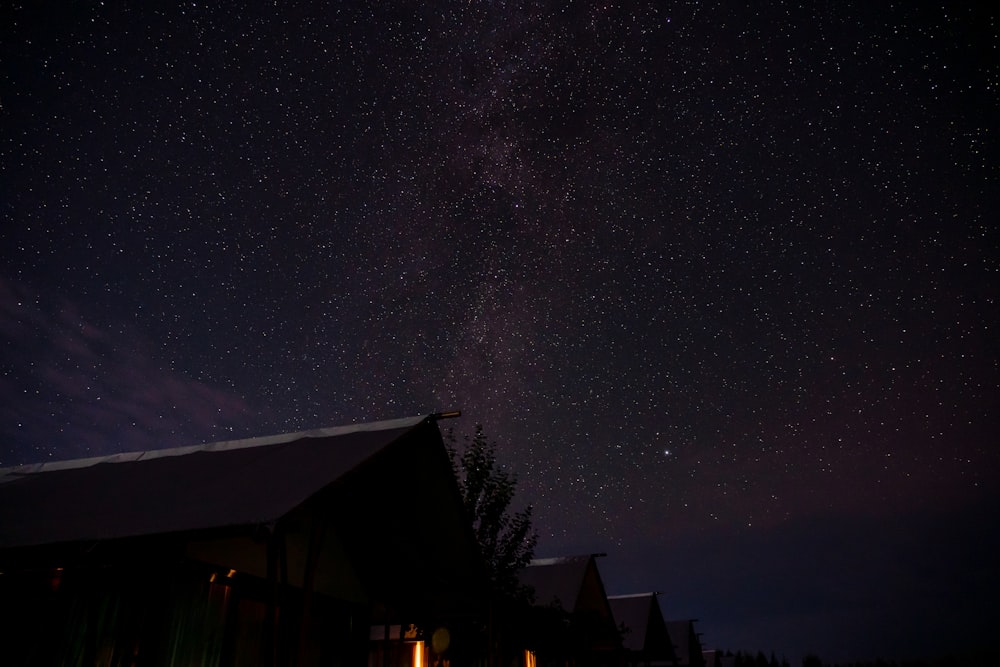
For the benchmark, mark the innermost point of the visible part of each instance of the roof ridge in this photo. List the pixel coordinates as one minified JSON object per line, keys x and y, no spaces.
{"x":221,"y":445}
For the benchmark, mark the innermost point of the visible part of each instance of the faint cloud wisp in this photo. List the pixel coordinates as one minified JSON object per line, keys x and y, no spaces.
{"x":97,"y":387}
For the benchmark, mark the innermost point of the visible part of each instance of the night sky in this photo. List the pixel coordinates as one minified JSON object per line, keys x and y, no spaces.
{"x":721,"y":282}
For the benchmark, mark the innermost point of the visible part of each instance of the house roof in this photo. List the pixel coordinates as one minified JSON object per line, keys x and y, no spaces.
{"x":572,"y":586}
{"x":646,"y":631}
{"x":557,"y":581}
{"x":224,"y":484}
{"x":633,"y":611}
{"x":570,"y":582}
{"x":686,"y":644}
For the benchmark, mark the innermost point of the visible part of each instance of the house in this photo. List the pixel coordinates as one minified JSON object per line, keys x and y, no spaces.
{"x":687,"y":643}
{"x":291,"y":550}
{"x":644,"y":632}
{"x":572,"y":623}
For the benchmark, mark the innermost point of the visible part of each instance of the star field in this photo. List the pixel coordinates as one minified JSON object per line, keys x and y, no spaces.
{"x":714,"y":277}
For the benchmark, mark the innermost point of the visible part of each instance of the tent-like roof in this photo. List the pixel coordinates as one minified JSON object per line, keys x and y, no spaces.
{"x":687,"y":646}
{"x":646,"y":631}
{"x":572,"y":586}
{"x":557,"y":581}
{"x":224,"y":484}
{"x":633,"y":611}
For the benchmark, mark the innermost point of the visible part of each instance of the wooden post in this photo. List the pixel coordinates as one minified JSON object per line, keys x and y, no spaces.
{"x":316,"y":533}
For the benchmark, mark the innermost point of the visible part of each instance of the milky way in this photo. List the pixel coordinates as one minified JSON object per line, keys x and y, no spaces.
{"x":709,"y":275}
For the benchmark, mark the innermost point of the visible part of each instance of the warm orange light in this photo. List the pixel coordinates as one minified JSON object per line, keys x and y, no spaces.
{"x":211,"y":578}
{"x":529,"y":659}
{"x":56,"y":579}
{"x":230,"y":574}
{"x":418,"y":654}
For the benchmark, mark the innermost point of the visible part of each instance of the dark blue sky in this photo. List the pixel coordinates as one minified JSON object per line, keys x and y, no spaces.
{"x":721,"y":281}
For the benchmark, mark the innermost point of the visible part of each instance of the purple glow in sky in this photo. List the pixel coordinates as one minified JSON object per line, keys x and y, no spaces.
{"x":721,"y":281}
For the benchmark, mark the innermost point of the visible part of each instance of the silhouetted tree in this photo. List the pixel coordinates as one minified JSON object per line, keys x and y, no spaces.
{"x":506,"y":539}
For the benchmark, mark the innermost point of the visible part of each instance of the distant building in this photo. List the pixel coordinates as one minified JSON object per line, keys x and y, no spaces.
{"x":644,"y":632}
{"x":336,"y":546}
{"x":572,"y":623}
{"x":687,"y":643}
{"x":714,"y":658}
